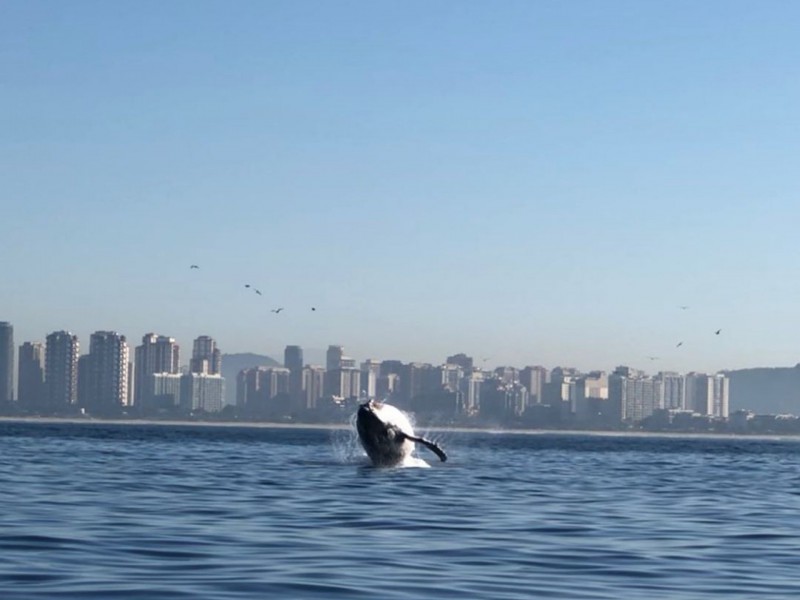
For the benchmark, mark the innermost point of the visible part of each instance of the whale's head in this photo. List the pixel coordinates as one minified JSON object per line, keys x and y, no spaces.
{"x":384,"y":433}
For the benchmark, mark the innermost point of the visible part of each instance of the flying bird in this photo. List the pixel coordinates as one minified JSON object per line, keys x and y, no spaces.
{"x":277,"y":310}
{"x":679,"y":344}
{"x":717,"y":331}
{"x":652,"y":357}
{"x":194,"y":267}
{"x":684,"y":307}
{"x":247,"y":285}
{"x":257,"y":291}
{"x":313,"y":308}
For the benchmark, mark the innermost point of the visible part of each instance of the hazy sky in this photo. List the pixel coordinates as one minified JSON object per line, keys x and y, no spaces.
{"x":532,"y":182}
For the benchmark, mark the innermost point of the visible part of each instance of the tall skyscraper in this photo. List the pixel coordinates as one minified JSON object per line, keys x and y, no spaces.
{"x":293,"y":360}
{"x":31,"y":392}
{"x":6,"y":362}
{"x":107,"y":385}
{"x":206,"y":357}
{"x":334,"y":357}
{"x":333,"y":362}
{"x":61,"y":370}
{"x":157,"y":354}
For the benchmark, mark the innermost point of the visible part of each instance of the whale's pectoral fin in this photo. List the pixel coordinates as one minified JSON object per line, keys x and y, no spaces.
{"x":432,"y":446}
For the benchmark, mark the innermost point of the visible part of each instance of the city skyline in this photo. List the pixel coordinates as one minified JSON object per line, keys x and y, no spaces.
{"x":527,"y":181}
{"x":109,"y":381}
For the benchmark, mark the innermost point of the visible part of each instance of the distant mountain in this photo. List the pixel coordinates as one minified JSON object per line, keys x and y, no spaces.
{"x":766,"y":390}
{"x":233,"y":363}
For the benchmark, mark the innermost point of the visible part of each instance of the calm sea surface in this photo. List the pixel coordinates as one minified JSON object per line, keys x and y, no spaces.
{"x":169,"y":511}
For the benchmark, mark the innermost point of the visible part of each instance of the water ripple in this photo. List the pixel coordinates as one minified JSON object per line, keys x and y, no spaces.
{"x":161,"y":512}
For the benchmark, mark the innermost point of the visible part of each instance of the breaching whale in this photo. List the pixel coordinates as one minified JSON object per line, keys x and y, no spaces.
{"x":387,"y":436}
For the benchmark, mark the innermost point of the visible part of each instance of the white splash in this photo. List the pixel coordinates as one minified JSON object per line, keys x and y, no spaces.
{"x":404,"y":421}
{"x":391,"y":414}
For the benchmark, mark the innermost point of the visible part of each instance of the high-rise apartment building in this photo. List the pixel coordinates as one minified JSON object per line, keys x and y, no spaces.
{"x":636,"y":394}
{"x":248,"y":387}
{"x":412,"y":382}
{"x":157,"y":354}
{"x":700,"y":393}
{"x":344,"y":382}
{"x":31,"y":391}
{"x":206,"y":357}
{"x":166,"y":392}
{"x":722,"y":385}
{"x":534,"y":379}
{"x":590,"y":396}
{"x":674,"y":390}
{"x":256,"y":387}
{"x":471,"y":386}
{"x":333,"y":362}
{"x":6,"y":362}
{"x":61,"y":369}
{"x":449,"y":376}
{"x":370,"y":373}
{"x":388,"y":385}
{"x":106,"y":388}
{"x":274,"y":382}
{"x":313,"y":385}
{"x":84,"y":380}
{"x":708,"y":394}
{"x":202,"y":392}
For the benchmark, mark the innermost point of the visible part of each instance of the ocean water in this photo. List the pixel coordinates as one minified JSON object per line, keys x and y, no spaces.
{"x":170,"y":512}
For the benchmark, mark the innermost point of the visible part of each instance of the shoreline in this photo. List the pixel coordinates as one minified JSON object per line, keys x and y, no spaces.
{"x":334,"y":426}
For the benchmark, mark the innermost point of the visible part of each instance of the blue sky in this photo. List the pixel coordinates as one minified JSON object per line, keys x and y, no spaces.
{"x":533,"y":182}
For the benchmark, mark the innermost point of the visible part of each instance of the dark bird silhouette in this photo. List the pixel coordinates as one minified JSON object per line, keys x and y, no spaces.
{"x":652,"y":357}
{"x":679,"y":344}
{"x":277,"y":310}
{"x":684,"y":307}
{"x":313,"y":308}
{"x":247,"y":285}
{"x":257,"y":291}
{"x":717,"y":331}
{"x":194,"y":267}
